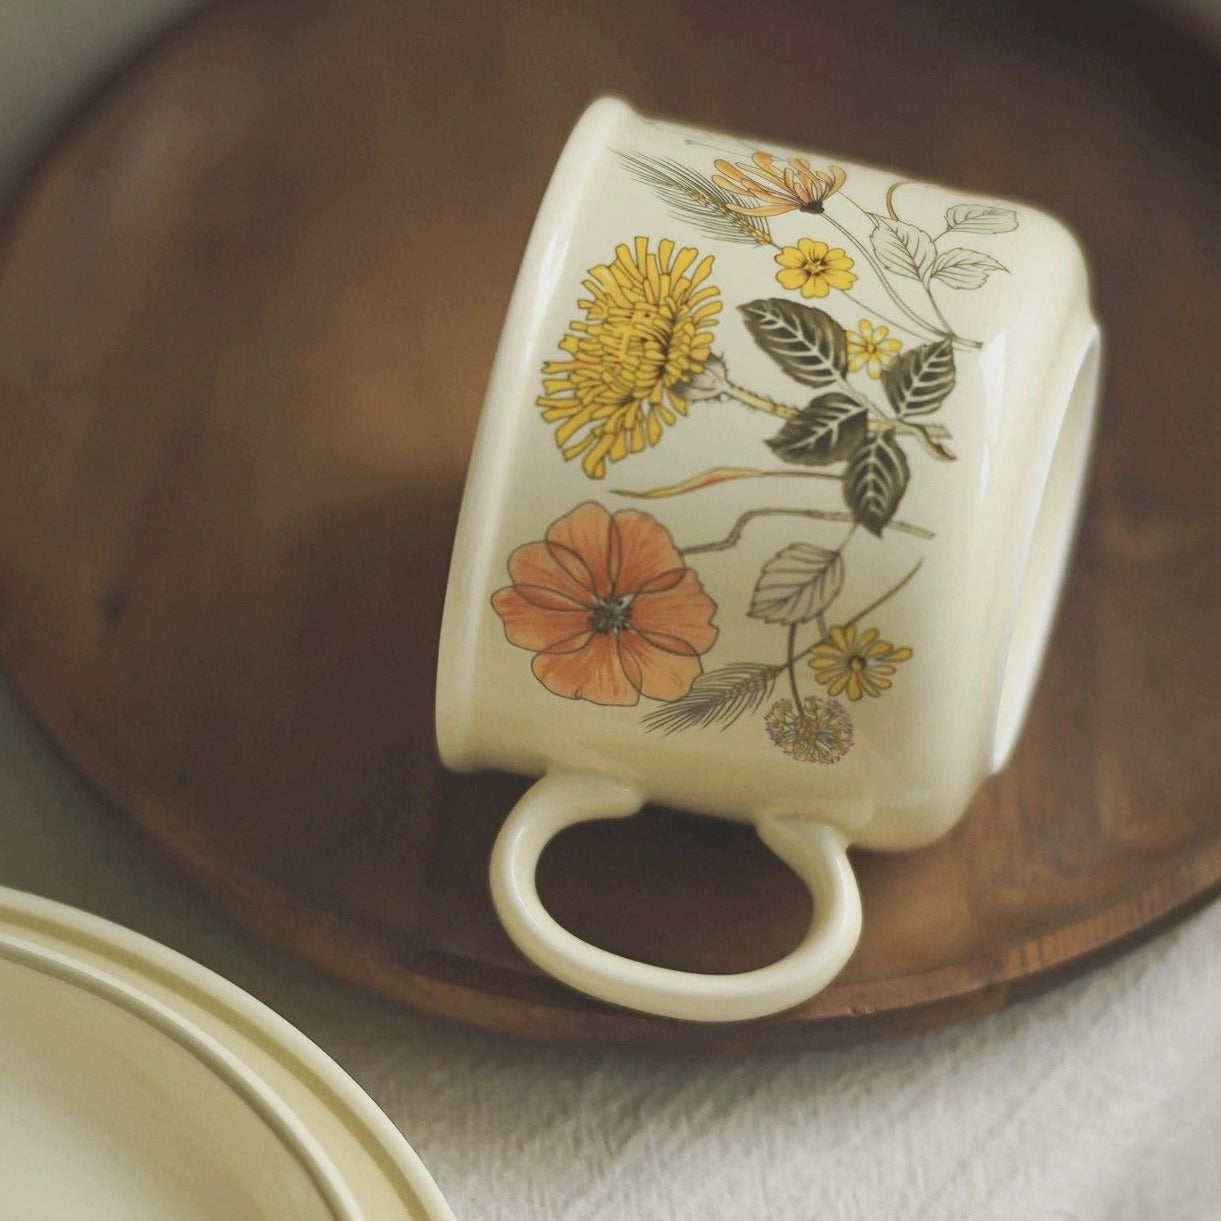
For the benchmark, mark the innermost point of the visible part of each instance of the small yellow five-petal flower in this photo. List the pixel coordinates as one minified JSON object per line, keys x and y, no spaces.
{"x":869,"y":349}
{"x":814,"y":268}
{"x":856,"y":665}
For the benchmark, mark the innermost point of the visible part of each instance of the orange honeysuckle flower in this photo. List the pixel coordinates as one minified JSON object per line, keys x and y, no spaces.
{"x":794,"y":186}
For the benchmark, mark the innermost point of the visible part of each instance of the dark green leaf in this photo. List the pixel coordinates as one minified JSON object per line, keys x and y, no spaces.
{"x":919,"y":380}
{"x":875,"y":481}
{"x":828,"y":430}
{"x":902,"y":248}
{"x":980,"y":218}
{"x":797,"y":584}
{"x":717,"y":698}
{"x":807,"y":343}
{"x":963,"y":268}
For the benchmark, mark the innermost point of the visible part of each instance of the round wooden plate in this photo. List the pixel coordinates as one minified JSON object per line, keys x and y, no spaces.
{"x":248,"y":303}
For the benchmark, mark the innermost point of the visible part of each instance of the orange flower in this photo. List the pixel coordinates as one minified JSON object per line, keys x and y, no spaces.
{"x":795,"y":187}
{"x":609,"y":608}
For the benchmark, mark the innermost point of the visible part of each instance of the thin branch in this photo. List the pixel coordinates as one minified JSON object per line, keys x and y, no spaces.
{"x":868,"y":610}
{"x":824,"y":632}
{"x":890,"y":197}
{"x":923,"y":323}
{"x":890,"y":593}
{"x":944,"y":328}
{"x":721,"y":474}
{"x":877,"y":313}
{"x":949,"y":330}
{"x":791,"y":666}
{"x":923,"y":435}
{"x":732,"y":539}
{"x":861,"y":400}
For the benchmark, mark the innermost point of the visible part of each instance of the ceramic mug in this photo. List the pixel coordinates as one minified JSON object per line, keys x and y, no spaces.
{"x":766,"y":519}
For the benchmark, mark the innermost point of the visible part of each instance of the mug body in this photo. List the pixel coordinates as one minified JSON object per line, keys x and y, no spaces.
{"x":775,"y":484}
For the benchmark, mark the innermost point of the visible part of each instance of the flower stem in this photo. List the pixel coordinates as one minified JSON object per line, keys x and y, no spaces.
{"x":877,"y":313}
{"x":824,"y":632}
{"x":920,"y":432}
{"x":868,"y":610}
{"x":861,"y":401}
{"x":791,"y":666}
{"x":758,"y":402}
{"x":945,"y":326}
{"x":922,"y":323}
{"x":890,"y":197}
{"x":942,"y":328}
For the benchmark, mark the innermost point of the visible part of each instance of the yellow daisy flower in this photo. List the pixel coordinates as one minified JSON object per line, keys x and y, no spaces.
{"x":858,"y":666}
{"x":869,"y":349}
{"x":814,"y":268}
{"x":647,"y":331}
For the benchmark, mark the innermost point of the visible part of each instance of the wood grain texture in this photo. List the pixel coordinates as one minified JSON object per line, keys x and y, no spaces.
{"x":248,"y":304}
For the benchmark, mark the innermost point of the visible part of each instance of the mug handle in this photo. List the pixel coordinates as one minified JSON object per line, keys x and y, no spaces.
{"x":812,"y":848}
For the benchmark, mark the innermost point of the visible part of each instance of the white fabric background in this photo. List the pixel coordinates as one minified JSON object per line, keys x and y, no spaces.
{"x":1098,"y":1102}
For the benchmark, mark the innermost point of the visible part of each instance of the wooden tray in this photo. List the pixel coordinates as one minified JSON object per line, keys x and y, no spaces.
{"x":247,"y":307}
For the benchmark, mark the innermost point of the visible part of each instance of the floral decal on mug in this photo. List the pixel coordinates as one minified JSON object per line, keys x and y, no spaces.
{"x":609,"y":609}
{"x":647,"y":330}
{"x":607,"y":602}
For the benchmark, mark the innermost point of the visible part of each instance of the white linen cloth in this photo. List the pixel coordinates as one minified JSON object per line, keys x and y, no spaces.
{"x":1100,"y":1101}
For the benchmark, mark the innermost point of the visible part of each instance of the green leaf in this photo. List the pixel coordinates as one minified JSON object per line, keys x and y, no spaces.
{"x":963,"y":268}
{"x":828,"y":430}
{"x":980,"y":218}
{"x":807,"y":343}
{"x":797,"y":584}
{"x":919,"y":380}
{"x":875,"y":481}
{"x":902,"y":248}
{"x":719,"y":697}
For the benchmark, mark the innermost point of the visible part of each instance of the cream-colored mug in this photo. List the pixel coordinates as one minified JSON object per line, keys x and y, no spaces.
{"x":767,"y":515}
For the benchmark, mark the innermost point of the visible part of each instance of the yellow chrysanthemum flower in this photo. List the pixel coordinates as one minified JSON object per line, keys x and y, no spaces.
{"x":869,"y":349}
{"x":859,"y":667}
{"x":647,"y":331}
{"x":814,"y":268}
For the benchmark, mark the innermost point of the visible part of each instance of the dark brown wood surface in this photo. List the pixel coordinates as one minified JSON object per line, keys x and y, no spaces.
{"x":248,"y":303}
